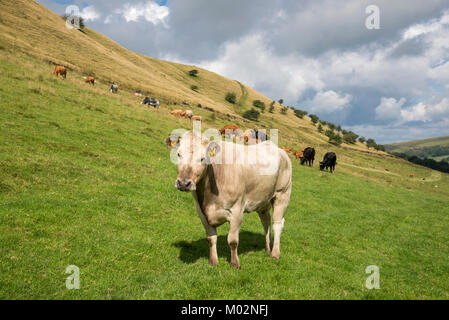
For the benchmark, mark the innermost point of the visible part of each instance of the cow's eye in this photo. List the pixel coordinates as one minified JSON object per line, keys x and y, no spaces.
{"x":202,"y":160}
{"x":179,"y":155}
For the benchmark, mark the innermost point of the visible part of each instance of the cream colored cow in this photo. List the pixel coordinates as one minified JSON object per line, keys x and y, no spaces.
{"x":228,"y":179}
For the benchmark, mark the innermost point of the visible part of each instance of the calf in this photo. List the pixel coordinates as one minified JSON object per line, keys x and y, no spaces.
{"x":223,"y":190}
{"x":308,"y":156}
{"x":329,"y":162}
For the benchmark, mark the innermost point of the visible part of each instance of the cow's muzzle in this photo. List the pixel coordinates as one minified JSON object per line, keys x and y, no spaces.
{"x":184,"y":185}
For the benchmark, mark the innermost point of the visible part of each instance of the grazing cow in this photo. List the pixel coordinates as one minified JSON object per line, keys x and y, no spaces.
{"x":231,"y":130}
{"x":329,"y":161}
{"x":197,"y":118}
{"x":90,"y":80}
{"x":188,"y":114}
{"x":286,"y":149}
{"x":223,"y":190}
{"x":114,"y":88}
{"x":299,"y":154}
{"x":151,"y":102}
{"x":60,"y":71}
{"x":308,"y":156}
{"x":177,"y":113}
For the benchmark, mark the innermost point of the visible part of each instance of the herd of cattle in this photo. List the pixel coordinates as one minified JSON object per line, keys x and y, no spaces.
{"x":305,"y":155}
{"x":61,"y":71}
{"x":222,"y":193}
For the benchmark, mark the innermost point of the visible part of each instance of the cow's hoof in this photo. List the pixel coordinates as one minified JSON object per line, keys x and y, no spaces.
{"x":213,"y":263}
{"x":235,"y":265}
{"x":275,"y":255}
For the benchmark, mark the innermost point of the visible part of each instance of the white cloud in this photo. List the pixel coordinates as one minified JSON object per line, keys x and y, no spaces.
{"x":150,"y":11}
{"x":389,"y":109}
{"x":424,"y":28}
{"x":329,"y":102}
{"x":90,"y":13}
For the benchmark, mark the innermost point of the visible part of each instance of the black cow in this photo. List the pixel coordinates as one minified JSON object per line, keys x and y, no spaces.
{"x":308,"y":156}
{"x":329,"y":161}
{"x":151,"y":102}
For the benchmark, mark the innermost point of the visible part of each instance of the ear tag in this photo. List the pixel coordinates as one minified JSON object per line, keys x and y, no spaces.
{"x":172,"y":143}
{"x":212,"y":152}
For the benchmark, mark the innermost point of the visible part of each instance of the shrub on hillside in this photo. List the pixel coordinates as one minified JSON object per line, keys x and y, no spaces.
{"x":284,"y":110}
{"x":259,"y":104}
{"x":350,"y":137}
{"x":320,"y":128}
{"x":335,"y":139}
{"x":193,"y":73}
{"x":314,"y":118}
{"x":362,"y":139}
{"x":370,"y":143}
{"x":231,"y":97}
{"x":300,"y":113}
{"x":252,"y":114}
{"x":194,"y":88}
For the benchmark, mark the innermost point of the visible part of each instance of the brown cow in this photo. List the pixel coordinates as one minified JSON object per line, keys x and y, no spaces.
{"x":231,"y":128}
{"x":299,"y":154}
{"x":90,"y":80}
{"x":60,"y":71}
{"x":178,"y":113}
{"x":286,"y":149}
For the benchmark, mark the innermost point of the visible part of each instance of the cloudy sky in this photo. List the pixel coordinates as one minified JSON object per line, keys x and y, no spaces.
{"x":389,"y":83}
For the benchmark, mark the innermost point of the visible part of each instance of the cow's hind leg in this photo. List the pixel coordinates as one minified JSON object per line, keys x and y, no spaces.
{"x":279,"y":206}
{"x":265,"y":218}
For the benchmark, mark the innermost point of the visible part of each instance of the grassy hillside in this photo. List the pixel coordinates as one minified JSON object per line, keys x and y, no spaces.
{"x":85,"y":180}
{"x":434,"y":148}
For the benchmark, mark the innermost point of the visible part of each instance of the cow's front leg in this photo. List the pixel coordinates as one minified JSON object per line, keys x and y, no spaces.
{"x":211,"y":233}
{"x":233,"y":238}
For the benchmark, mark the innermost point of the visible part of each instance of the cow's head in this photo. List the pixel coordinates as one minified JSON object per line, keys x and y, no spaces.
{"x":321,"y":165}
{"x":194,"y":154}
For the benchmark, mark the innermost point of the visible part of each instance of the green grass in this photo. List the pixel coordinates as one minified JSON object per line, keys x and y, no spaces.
{"x":85,"y":180}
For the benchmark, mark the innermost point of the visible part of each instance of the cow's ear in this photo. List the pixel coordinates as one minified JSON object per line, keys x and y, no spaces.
{"x":213,"y":149}
{"x":172,"y":142}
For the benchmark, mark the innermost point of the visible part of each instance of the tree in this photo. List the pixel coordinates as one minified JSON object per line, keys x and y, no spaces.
{"x":281,"y":101}
{"x":314,"y":118}
{"x":329,"y":133}
{"x":350,"y":137}
{"x":252,"y":114}
{"x":324,"y":123}
{"x":193,"y":73}
{"x":339,"y":129}
{"x":259,"y":104}
{"x":231,"y":97}
{"x":362,"y":139}
{"x":271,"y":110}
{"x":320,"y":128}
{"x":370,"y":143}
{"x":284,"y":110}
{"x":379,"y":147}
{"x":300,"y":113}
{"x":335,"y":139}
{"x":331,"y":126}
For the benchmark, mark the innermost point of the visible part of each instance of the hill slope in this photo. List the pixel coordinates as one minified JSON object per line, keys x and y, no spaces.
{"x":435,"y":148}
{"x":85,"y":180}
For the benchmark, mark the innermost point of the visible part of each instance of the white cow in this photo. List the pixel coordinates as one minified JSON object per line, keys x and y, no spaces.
{"x":228,"y":179}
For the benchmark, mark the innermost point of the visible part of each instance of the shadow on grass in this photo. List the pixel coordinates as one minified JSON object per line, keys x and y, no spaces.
{"x":249,"y":242}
